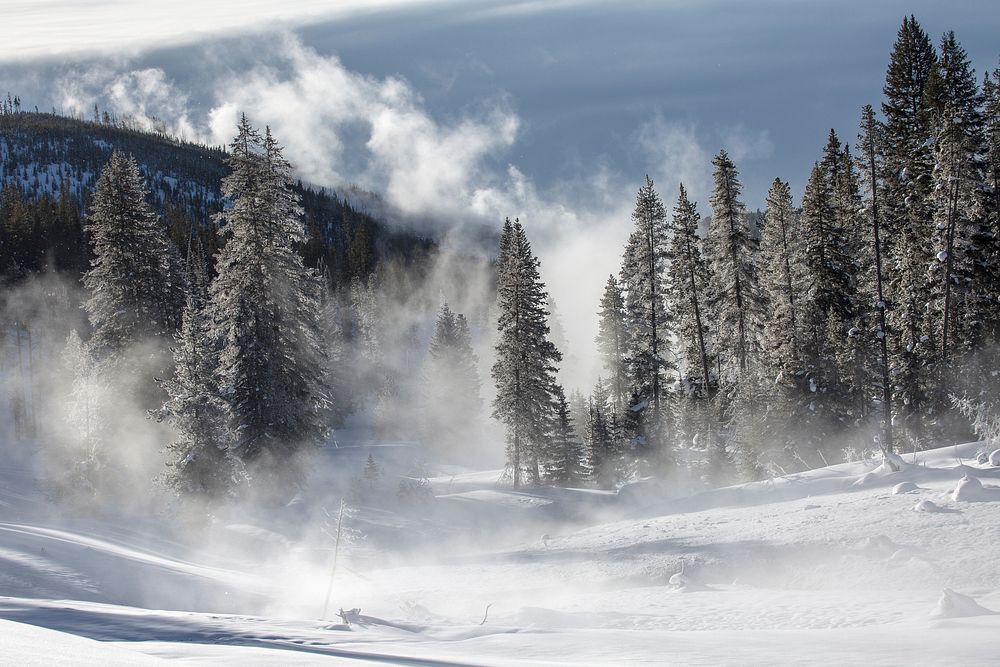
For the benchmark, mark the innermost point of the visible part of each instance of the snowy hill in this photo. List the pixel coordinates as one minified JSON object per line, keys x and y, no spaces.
{"x":842,"y":565}
{"x":47,"y":155}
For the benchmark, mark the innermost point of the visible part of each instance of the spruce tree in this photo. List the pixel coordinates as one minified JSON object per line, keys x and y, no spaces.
{"x":603,"y":454}
{"x":643,"y":278}
{"x":688,"y":285}
{"x":613,"y":342}
{"x":202,"y":462}
{"x":953,"y":100}
{"x":870,"y":142}
{"x":564,"y":465}
{"x":453,"y":402}
{"x":989,"y":265}
{"x":265,"y":310}
{"x":135,"y":282}
{"x":731,"y":247}
{"x":907,"y":211}
{"x":779,"y":253}
{"x":525,"y":369}
{"x":826,"y":280}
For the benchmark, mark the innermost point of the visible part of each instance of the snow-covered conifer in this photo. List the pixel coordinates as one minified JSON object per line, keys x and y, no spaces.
{"x":525,"y":369}
{"x":135,"y":282}
{"x":265,"y":309}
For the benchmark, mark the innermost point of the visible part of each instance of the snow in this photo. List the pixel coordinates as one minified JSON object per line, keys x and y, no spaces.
{"x":995,"y":457}
{"x":811,"y":568}
{"x":956,"y":605}
{"x":32,"y":646}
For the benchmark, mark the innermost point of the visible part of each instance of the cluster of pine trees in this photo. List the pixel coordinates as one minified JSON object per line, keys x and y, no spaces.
{"x":855,"y":320}
{"x":247,"y":378}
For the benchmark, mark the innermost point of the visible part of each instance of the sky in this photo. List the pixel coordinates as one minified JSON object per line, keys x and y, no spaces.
{"x":465,"y":112}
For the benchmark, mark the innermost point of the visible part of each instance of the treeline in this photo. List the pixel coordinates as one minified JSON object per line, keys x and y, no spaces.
{"x":52,"y":162}
{"x":854,"y":321}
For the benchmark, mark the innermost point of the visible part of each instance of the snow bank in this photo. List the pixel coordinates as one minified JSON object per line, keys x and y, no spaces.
{"x":927,"y":506}
{"x":956,"y":605}
{"x":31,"y":646}
{"x":904,"y":487}
{"x":970,"y":489}
{"x":995,"y":458}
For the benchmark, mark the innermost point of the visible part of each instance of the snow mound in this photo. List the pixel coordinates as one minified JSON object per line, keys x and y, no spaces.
{"x":956,"y":605}
{"x":891,"y":463}
{"x":970,"y":489}
{"x":867,"y":479}
{"x":927,"y":506}
{"x":995,"y":458}
{"x":904,"y":487}
{"x":901,"y":555}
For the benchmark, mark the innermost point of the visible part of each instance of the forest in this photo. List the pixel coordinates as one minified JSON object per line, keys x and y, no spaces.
{"x":247,"y":317}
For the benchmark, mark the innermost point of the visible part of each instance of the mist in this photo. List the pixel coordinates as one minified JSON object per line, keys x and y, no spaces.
{"x":372,"y":350}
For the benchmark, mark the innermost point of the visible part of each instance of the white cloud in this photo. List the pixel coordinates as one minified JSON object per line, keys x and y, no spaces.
{"x":46,"y":28}
{"x":676,"y":156}
{"x":343,"y":128}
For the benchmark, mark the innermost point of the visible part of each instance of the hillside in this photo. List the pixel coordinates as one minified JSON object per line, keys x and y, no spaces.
{"x":58,"y":159}
{"x":896,"y":575}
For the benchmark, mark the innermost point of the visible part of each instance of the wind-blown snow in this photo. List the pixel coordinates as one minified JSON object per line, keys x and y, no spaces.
{"x":812,"y":568}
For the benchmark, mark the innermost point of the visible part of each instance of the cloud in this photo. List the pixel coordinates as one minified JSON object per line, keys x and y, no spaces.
{"x":46,"y":28}
{"x":342,"y":128}
{"x":676,"y":155}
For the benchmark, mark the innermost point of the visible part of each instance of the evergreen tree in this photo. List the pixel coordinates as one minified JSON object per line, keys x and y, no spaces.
{"x":602,"y":449}
{"x":643,"y":280}
{"x":578,"y":411}
{"x":779,"y":253}
{"x":453,"y":393}
{"x":524,"y":371}
{"x":989,"y":265}
{"x":907,"y":210}
{"x":953,"y":100}
{"x":731,"y":247}
{"x":613,"y":341}
{"x":870,"y":141}
{"x":565,"y":460}
{"x":689,"y":280}
{"x":265,"y":309}
{"x":135,"y":280}
{"x":202,"y":461}
{"x":826,"y":307}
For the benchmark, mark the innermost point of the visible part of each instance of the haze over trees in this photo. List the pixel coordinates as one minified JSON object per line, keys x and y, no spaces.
{"x":252,"y":315}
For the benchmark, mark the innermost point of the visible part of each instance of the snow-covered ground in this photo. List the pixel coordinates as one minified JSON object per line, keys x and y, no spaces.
{"x":848,"y":564}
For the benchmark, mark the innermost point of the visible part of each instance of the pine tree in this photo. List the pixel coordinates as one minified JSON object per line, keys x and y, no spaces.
{"x":907,"y":210}
{"x":372,"y":473}
{"x":688,"y":285}
{"x":642,"y":278}
{"x":870,"y":141}
{"x":265,"y":309}
{"x":953,"y":100}
{"x":780,"y":254}
{"x":737,"y":298}
{"x":613,"y":341}
{"x":578,"y":411}
{"x":989,"y":265}
{"x":203,"y":463}
{"x":826,"y":306}
{"x":135,"y":280}
{"x":453,"y":400}
{"x":524,"y":371}
{"x":564,"y":465}
{"x":602,"y":449}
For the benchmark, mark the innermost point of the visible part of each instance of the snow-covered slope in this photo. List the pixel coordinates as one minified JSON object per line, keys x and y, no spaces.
{"x":855,"y":563}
